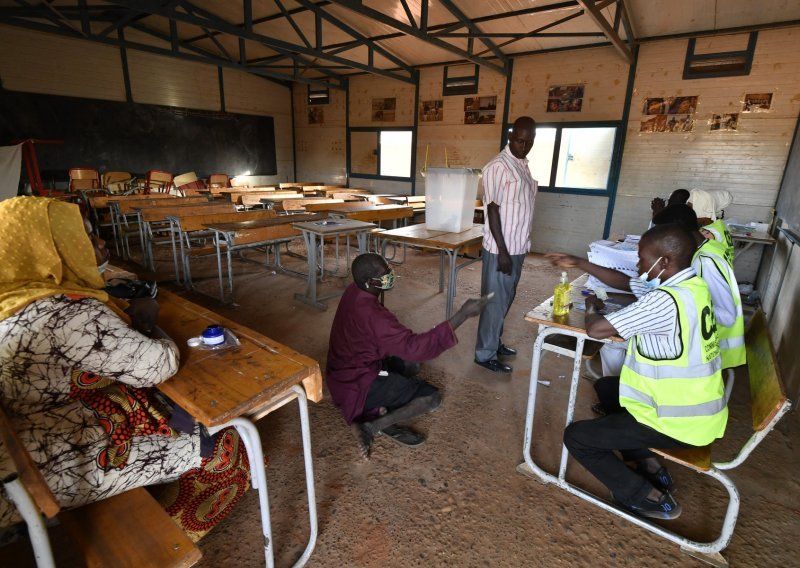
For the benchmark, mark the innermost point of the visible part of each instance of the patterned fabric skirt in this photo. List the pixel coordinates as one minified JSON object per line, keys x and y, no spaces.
{"x":204,"y":496}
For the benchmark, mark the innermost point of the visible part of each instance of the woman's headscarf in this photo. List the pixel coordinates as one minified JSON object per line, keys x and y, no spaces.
{"x":707,"y":204}
{"x":45,"y":251}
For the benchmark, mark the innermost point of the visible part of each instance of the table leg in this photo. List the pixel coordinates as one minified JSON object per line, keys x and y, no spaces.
{"x":252,"y":442}
{"x":218,"y":246}
{"x":310,"y":296}
{"x":451,"y":284}
{"x":441,"y":270}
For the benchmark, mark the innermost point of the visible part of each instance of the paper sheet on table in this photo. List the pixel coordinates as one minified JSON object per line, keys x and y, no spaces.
{"x":619,"y":256}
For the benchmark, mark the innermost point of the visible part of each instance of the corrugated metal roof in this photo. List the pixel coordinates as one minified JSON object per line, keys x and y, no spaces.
{"x":315,"y":38}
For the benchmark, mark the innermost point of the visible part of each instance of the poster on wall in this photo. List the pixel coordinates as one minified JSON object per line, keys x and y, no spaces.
{"x":724,"y":122}
{"x":567,"y":98}
{"x":316,"y":115}
{"x":431,"y":111}
{"x":480,"y":110}
{"x":383,"y":109}
{"x":757,"y":102}
{"x":668,"y":114}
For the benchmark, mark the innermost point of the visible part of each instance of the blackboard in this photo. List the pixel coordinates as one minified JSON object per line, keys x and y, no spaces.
{"x":113,"y":136}
{"x":788,"y":206}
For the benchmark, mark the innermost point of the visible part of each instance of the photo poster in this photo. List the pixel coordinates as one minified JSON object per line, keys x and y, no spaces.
{"x":668,"y":114}
{"x":757,"y":102}
{"x":727,"y":122}
{"x":431,"y":111}
{"x":383,"y":110}
{"x":316,"y":115}
{"x":565,"y":98}
{"x":480,"y":110}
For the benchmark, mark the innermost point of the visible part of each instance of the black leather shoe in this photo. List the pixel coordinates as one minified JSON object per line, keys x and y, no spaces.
{"x":494,"y":366}
{"x":506,"y":350}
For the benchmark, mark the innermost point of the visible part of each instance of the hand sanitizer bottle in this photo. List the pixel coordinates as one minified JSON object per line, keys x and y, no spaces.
{"x":562,"y":296}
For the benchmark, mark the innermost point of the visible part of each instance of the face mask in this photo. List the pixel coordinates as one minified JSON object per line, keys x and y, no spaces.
{"x":102,"y":267}
{"x":386,"y":281}
{"x":655,"y":282}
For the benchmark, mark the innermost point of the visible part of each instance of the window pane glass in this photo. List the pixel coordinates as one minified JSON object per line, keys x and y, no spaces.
{"x":396,"y":153}
{"x":540,"y":159}
{"x":584,"y":157}
{"x":364,"y":152}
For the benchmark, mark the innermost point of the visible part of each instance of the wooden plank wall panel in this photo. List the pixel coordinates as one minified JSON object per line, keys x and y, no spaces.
{"x":159,"y":80}
{"x":320,"y":148}
{"x":749,"y":162}
{"x":562,"y":221}
{"x":248,"y":94}
{"x":44,"y":63}
{"x":364,"y":88}
{"x":601,"y":70}
{"x":466,"y":145}
{"x":567,"y":223}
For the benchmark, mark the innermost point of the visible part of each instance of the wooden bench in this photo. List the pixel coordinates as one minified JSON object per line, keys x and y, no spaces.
{"x":768,"y":405}
{"x":127,"y":530}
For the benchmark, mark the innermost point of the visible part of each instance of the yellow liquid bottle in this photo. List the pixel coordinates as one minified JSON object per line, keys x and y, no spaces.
{"x":562,"y":296}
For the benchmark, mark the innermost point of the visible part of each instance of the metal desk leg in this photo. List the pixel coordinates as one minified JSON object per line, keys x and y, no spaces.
{"x":252,"y":442}
{"x":451,"y":284}
{"x":310,"y":296}
{"x":218,"y":246}
{"x":441,"y":270}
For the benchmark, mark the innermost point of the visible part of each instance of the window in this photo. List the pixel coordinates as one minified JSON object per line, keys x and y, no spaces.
{"x":460,"y":80}
{"x":720,"y":64}
{"x":381,"y":153}
{"x":573,"y":158}
{"x":318,"y":95}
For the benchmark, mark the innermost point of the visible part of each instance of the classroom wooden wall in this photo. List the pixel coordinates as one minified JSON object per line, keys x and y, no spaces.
{"x":748,"y":162}
{"x":568,"y":222}
{"x":49,"y":64}
{"x":320,"y":148}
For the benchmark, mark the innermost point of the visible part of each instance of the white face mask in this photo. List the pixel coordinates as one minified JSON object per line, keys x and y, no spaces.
{"x":655,"y":282}
{"x":102,"y":267}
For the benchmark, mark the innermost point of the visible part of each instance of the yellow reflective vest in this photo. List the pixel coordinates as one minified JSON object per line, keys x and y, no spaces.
{"x":723,"y":238}
{"x":683,"y":397}
{"x":731,"y":338}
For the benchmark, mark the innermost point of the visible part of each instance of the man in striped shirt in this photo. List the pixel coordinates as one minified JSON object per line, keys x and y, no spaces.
{"x":670,"y":393}
{"x":508,"y":195}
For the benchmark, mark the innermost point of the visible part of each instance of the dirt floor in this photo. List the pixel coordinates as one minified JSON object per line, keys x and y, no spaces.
{"x":458,"y":500}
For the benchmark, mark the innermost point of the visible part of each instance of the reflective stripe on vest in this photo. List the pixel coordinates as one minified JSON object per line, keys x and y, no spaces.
{"x":723,"y":236}
{"x":731,"y":338}
{"x":682,"y":397}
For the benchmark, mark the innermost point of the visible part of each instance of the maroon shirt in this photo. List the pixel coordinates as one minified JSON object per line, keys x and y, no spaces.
{"x":363,"y":334}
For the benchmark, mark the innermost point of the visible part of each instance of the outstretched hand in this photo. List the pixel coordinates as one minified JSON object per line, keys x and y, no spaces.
{"x":562,"y":260}
{"x":470,"y":308}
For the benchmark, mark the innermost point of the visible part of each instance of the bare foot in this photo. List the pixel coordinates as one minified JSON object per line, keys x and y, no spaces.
{"x":364,"y":438}
{"x":382,"y":411}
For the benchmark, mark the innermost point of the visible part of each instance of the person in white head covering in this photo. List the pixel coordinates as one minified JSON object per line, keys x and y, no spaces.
{"x":706,"y":205}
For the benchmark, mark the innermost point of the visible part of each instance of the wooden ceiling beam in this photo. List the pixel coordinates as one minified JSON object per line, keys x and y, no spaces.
{"x":591,"y":10}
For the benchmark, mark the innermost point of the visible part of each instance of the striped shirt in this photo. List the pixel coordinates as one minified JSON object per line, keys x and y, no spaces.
{"x":507,"y":181}
{"x":653,"y":317}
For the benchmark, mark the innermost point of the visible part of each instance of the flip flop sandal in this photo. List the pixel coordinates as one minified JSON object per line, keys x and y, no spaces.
{"x":403,"y":436}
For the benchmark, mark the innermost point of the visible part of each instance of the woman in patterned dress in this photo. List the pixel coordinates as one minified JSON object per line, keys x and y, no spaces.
{"x":77,"y":377}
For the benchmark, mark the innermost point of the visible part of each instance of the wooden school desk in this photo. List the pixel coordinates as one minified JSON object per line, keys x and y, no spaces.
{"x":235,"y":388}
{"x":326,"y":228}
{"x":233,"y":236}
{"x":370,"y":213}
{"x":747,"y":240}
{"x":449,"y":244}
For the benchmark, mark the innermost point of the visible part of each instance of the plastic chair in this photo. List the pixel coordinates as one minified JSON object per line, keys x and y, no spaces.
{"x":117,"y":182}
{"x":187,"y":184}
{"x":158,"y":181}
{"x":83,"y":178}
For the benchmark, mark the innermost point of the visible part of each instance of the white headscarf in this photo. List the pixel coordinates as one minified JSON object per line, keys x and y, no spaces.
{"x":708,"y":203}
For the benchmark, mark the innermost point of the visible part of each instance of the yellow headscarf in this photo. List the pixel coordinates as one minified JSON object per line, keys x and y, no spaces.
{"x":44,"y":251}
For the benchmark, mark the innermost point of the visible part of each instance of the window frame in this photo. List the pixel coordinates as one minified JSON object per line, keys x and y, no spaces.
{"x":559,"y":126}
{"x":318,"y":95}
{"x":449,"y":90}
{"x":692,"y":57}
{"x":377,"y":130}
